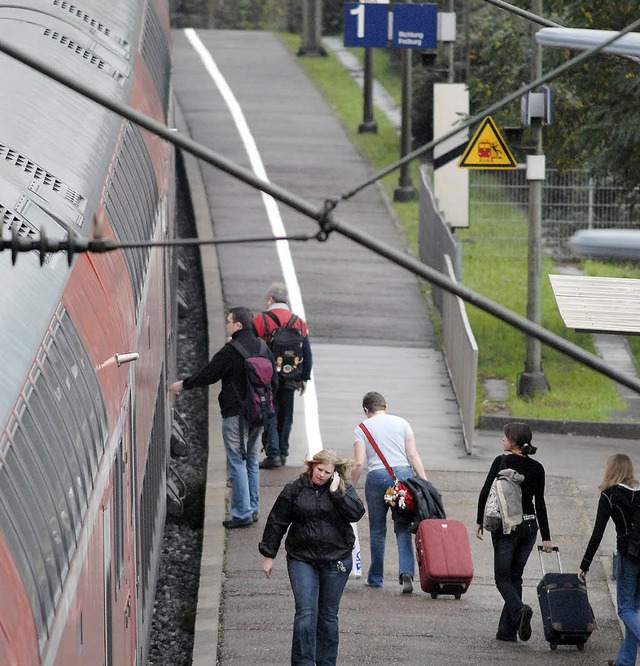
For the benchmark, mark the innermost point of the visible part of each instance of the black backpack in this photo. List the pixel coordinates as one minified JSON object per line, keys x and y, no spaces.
{"x":629,"y":544}
{"x":257,"y":403}
{"x":285,"y":343}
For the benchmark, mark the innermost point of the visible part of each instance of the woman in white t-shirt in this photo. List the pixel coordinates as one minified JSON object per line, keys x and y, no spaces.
{"x":394,"y":437}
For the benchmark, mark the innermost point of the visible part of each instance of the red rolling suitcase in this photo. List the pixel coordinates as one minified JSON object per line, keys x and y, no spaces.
{"x":444,"y":557}
{"x":567,"y":616}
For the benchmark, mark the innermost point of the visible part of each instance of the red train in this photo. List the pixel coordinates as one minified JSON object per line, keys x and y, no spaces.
{"x":85,"y":429}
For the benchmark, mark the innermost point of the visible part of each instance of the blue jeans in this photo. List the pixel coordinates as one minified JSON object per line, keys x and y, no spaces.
{"x":242,"y":465}
{"x":628,"y":592}
{"x":510,"y":555}
{"x":377,"y":482}
{"x":317,"y":590}
{"x":279,"y":429}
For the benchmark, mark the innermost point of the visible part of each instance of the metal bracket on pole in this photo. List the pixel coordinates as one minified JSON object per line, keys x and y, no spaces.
{"x":326,"y":220}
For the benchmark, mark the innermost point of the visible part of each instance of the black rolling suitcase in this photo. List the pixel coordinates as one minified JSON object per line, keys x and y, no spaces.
{"x":567,"y":616}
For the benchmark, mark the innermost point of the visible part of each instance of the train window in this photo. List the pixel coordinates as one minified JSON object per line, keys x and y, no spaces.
{"x":69,"y":413}
{"x":84,"y":384}
{"x":130,"y":200}
{"x":32,"y":502}
{"x":117,"y":206}
{"x":25,"y":554}
{"x":156,"y":54}
{"x":56,"y":427}
{"x":85,"y":390}
{"x":22,"y":506}
{"x":55,"y":479}
{"x":28,"y":471}
{"x":118,"y":515}
{"x":65,"y":462}
{"x":74,"y":411}
{"x":152,"y":485}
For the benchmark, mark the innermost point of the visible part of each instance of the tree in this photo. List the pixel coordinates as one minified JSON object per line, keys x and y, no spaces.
{"x":596,"y":120}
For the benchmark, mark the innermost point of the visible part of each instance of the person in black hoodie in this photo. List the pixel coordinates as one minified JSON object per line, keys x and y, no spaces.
{"x":618,"y":490}
{"x":315,"y":511}
{"x":511,"y":551}
{"x":241,"y":440}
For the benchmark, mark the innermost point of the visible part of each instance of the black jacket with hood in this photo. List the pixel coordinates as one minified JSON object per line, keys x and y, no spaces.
{"x":317,"y":519}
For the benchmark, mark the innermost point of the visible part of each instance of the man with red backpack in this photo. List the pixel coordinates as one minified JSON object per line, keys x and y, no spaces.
{"x":249,"y":379}
{"x":288,"y":338}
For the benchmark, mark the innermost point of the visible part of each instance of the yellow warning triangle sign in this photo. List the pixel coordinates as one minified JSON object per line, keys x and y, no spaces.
{"x":487,"y":149}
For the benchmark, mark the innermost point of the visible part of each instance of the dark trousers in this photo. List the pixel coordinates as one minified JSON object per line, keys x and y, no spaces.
{"x":510,"y":555}
{"x":277,"y":437}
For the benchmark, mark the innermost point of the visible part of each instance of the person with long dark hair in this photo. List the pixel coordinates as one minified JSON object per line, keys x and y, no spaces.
{"x":316,"y":510}
{"x":511,"y":551}
{"x":619,"y":490}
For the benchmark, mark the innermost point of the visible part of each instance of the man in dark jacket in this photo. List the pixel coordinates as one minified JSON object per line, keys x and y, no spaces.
{"x":240,"y":438}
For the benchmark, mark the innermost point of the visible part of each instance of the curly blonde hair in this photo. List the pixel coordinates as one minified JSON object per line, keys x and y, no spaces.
{"x":330,"y":457}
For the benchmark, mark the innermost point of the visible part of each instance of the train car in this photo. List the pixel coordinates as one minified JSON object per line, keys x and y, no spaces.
{"x":87,"y":345}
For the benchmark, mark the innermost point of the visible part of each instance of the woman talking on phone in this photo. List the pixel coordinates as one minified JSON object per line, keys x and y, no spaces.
{"x":316,"y":510}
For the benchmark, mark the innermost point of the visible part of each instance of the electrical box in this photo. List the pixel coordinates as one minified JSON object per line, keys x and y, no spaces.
{"x":446,"y":27}
{"x":536,"y":106}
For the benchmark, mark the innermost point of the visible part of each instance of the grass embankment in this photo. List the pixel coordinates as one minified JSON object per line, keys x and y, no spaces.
{"x":494,"y":264}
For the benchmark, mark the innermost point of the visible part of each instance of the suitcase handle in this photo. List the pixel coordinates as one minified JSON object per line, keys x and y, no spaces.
{"x":556,"y":550}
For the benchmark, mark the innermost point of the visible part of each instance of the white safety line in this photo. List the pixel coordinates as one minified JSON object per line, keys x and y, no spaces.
{"x":312,"y":422}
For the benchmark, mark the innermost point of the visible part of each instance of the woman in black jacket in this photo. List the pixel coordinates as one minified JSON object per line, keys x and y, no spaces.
{"x":316,"y":509}
{"x":511,"y":551}
{"x":619,"y":491}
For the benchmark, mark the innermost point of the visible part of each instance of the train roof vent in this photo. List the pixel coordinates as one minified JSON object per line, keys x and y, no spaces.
{"x":11,"y":221}
{"x":92,"y":55}
{"x":94,"y":24}
{"x":66,"y":202}
{"x":28,"y":219}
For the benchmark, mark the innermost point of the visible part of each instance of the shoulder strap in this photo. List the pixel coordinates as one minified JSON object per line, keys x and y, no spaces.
{"x":264,"y":323}
{"x":274,"y":317}
{"x":372,"y":441}
{"x":292,"y":322}
{"x":264,"y":349}
{"x":240,"y":348}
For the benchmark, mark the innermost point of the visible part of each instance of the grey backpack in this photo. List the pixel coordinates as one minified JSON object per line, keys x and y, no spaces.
{"x":503,"y":508}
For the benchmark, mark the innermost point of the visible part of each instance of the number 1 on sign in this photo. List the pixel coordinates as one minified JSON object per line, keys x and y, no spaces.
{"x":359,"y":12}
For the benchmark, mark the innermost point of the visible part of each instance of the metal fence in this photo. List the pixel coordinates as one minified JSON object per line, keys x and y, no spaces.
{"x":571,"y":200}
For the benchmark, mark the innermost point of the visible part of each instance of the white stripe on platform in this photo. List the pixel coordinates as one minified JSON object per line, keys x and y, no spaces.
{"x":312,"y":421}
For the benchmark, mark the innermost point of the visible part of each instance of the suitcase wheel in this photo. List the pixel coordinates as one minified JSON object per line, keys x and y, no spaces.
{"x":457,"y":595}
{"x":434,"y":595}
{"x":580,"y":646}
{"x":553,"y":646}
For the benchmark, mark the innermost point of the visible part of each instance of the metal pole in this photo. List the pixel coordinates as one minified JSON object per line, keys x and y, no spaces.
{"x":532,"y":381}
{"x":405,"y":190}
{"x":311,"y":29}
{"x":451,"y":51}
{"x":368,"y":124}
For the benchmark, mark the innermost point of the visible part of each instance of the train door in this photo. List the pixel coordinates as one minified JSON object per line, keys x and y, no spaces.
{"x":133,"y":482}
{"x":124,"y":628}
{"x":108,"y":591}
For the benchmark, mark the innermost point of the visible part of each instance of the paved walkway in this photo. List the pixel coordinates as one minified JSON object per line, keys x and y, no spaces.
{"x":243,"y":618}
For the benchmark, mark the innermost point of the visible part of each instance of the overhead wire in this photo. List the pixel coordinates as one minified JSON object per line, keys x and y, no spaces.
{"x":325,"y":215}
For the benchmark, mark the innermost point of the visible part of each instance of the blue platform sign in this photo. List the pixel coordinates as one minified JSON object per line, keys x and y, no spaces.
{"x":366,"y":24}
{"x":415,"y":26}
